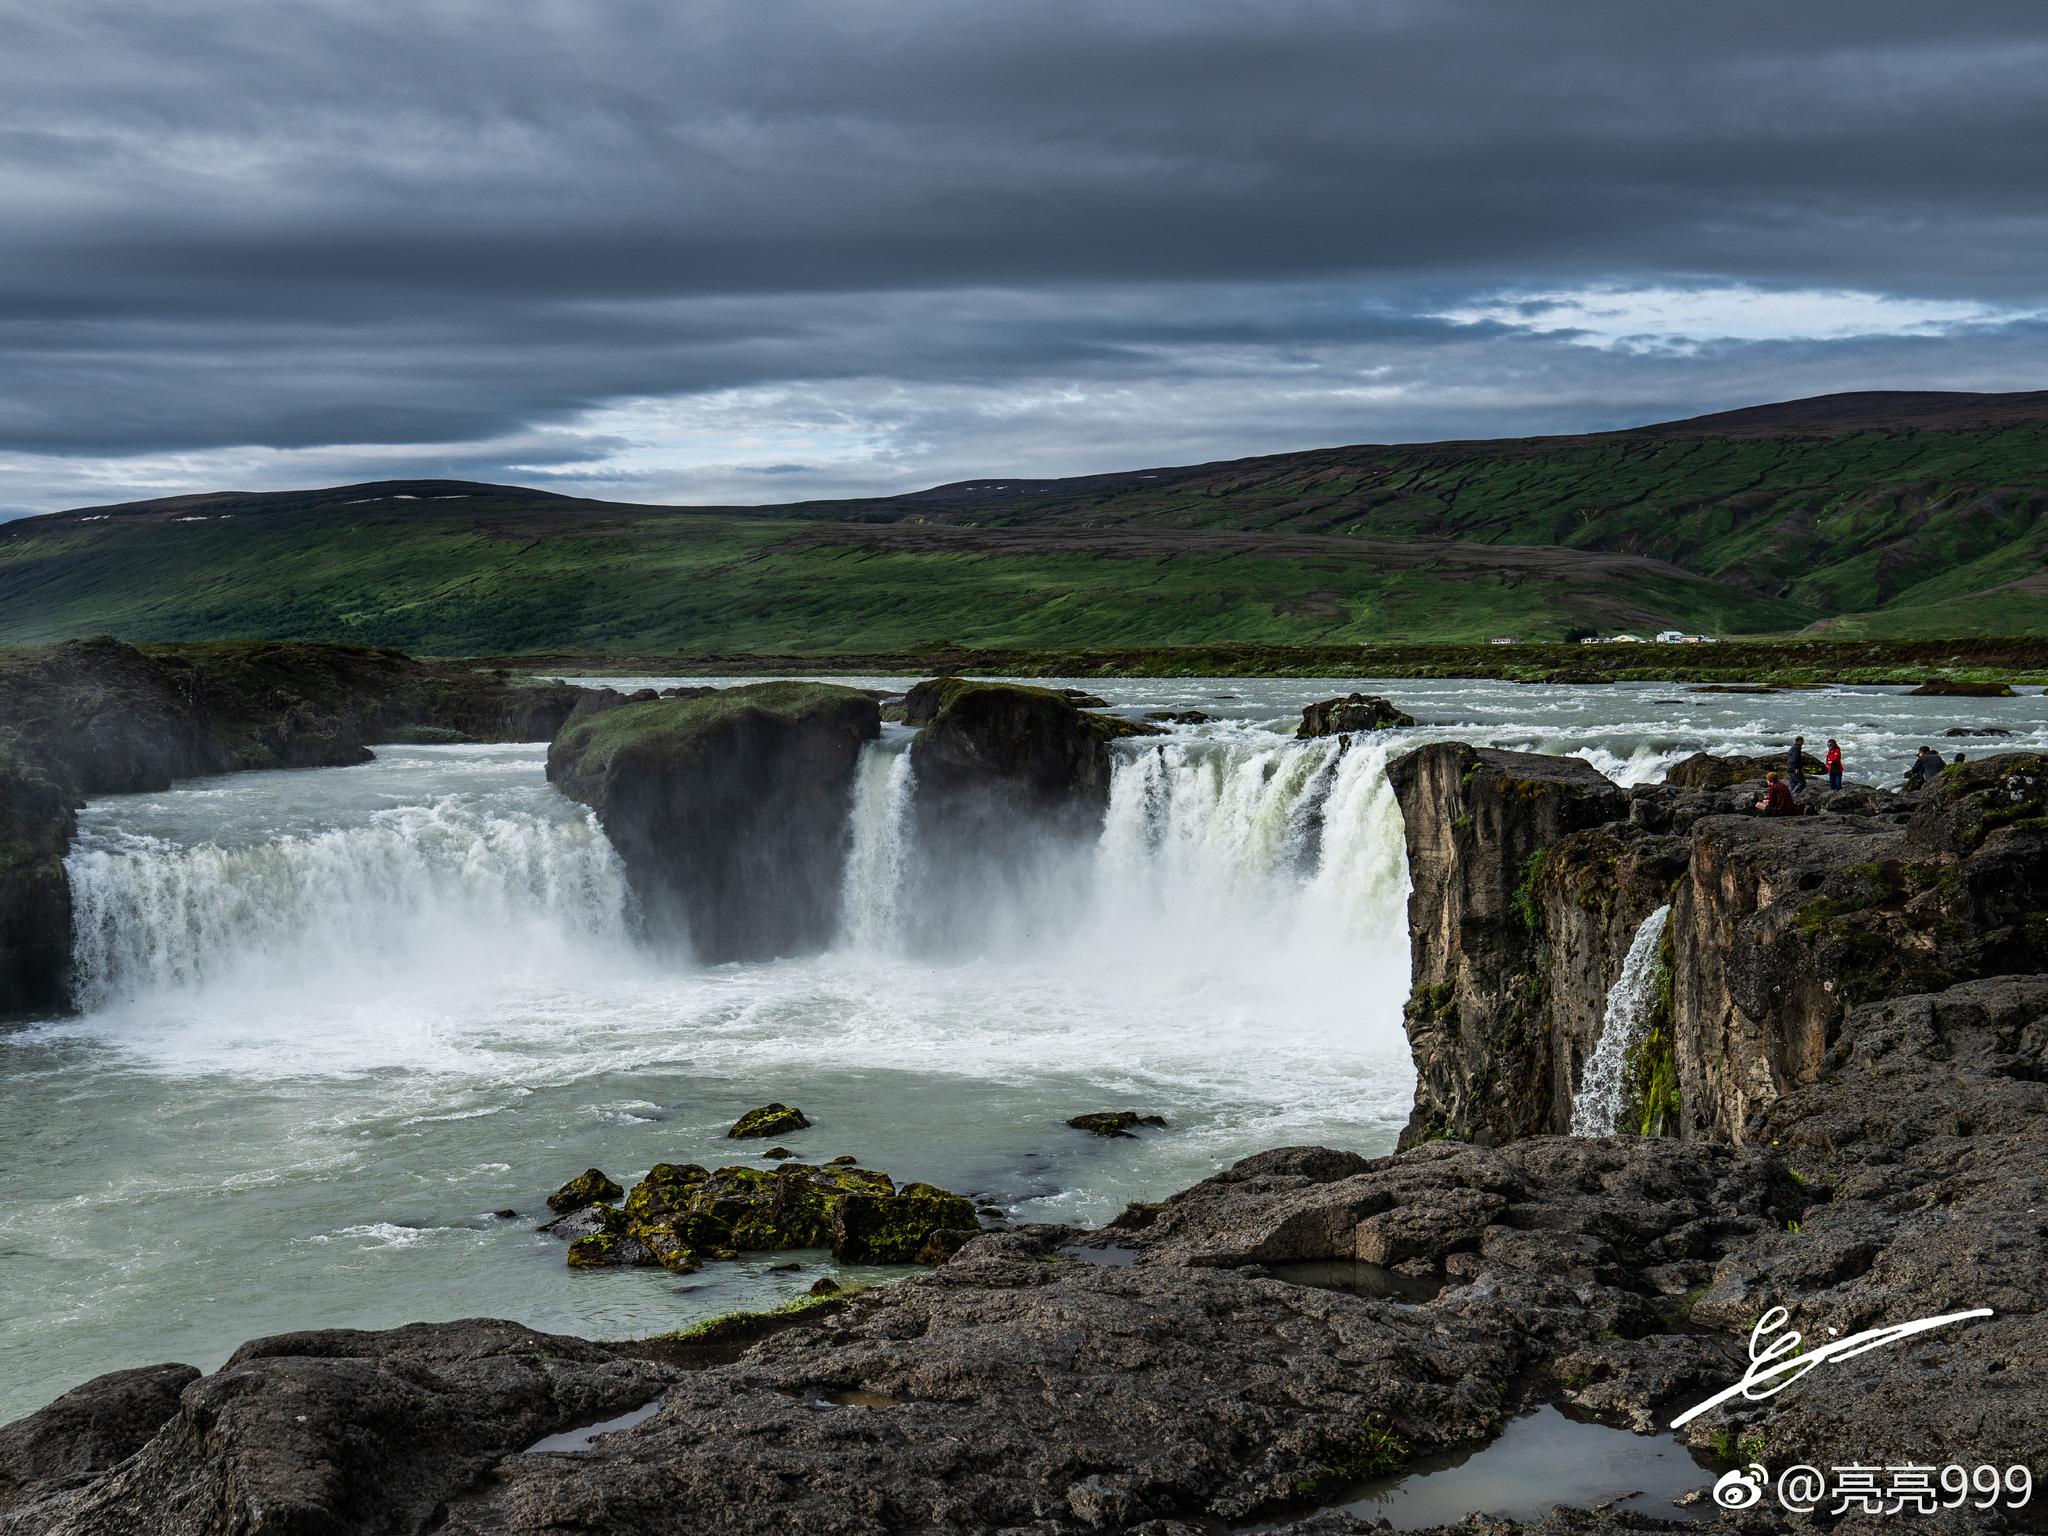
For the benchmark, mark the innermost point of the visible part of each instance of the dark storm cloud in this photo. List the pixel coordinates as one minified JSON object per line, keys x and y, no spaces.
{"x":368,"y":224}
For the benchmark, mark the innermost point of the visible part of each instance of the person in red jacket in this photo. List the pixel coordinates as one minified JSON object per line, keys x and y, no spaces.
{"x":1777,"y":800}
{"x":1834,"y":764}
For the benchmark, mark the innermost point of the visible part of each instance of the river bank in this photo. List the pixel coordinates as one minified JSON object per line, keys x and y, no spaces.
{"x":1907,"y":663}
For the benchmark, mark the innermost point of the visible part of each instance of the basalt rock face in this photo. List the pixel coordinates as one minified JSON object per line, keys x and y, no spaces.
{"x":729,"y":810}
{"x":93,"y":717}
{"x":36,"y":825}
{"x":1778,"y":927}
{"x":1027,"y":750}
{"x":1703,"y":770}
{"x":1479,"y":826}
{"x":1010,"y":782}
{"x":1782,"y":926}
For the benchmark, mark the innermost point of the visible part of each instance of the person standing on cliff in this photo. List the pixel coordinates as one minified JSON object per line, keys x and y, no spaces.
{"x":1795,"y":765}
{"x":1834,"y":761}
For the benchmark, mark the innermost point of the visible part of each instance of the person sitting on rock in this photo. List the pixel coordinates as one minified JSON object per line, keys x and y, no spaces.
{"x":1926,"y":764}
{"x":1777,"y":800}
{"x":1834,"y":761}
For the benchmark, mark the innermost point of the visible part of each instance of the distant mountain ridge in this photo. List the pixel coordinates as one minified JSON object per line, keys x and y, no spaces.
{"x":1868,"y":514}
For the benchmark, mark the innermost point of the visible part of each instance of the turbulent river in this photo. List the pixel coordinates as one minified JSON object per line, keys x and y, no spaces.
{"x":332,"y":1020}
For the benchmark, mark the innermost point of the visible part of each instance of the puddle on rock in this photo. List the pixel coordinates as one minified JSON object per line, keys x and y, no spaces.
{"x":843,"y":1397}
{"x":1355,"y":1277}
{"x":580,"y":1442}
{"x":1542,"y":1458}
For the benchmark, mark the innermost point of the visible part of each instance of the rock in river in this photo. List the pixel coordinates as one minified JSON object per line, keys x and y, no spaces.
{"x":769,"y":1120}
{"x":1114,"y":1122}
{"x":587,"y":1188}
{"x":728,"y":809}
{"x":1353,"y":712}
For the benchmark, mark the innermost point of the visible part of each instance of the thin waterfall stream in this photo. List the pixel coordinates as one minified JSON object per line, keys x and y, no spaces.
{"x":1597,"y":1108}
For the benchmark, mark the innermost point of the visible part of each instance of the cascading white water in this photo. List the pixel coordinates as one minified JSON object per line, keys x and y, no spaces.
{"x":878,"y":850}
{"x":1288,"y":852}
{"x":1596,"y":1111}
{"x":444,"y":886}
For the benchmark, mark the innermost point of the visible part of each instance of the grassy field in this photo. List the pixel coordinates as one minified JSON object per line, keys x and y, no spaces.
{"x":1850,"y":528}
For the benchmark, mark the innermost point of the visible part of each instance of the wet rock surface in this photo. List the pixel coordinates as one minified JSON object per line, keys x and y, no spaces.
{"x":727,"y":809}
{"x":769,"y":1120}
{"x":1479,"y":824}
{"x":1116,"y":1122}
{"x":1353,"y":712}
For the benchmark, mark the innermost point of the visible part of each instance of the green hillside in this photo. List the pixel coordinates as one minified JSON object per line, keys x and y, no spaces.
{"x":1864,"y":516}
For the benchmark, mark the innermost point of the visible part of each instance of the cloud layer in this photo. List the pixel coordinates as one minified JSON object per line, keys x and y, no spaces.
{"x":754,"y":251}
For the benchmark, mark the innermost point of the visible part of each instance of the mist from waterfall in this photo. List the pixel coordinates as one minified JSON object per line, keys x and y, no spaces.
{"x":1598,"y":1106}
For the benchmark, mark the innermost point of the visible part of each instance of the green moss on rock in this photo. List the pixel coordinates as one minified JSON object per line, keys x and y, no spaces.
{"x":590,"y":1187}
{"x":769,"y":1120}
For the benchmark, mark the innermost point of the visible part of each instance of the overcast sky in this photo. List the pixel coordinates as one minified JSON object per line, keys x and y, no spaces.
{"x":772,"y":249}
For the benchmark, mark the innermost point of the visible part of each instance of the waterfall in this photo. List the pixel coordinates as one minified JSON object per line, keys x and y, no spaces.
{"x":1286,"y":856}
{"x":879,"y":849}
{"x":447,"y":888}
{"x":1596,"y":1111}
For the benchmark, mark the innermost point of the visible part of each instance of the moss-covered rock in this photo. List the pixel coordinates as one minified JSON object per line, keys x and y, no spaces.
{"x":893,"y":1228}
{"x":769,"y":1120}
{"x":667,"y":1191}
{"x":686,"y":1242}
{"x":1353,"y":712}
{"x":728,"y":809}
{"x":1114,"y":1122}
{"x":590,"y":1187}
{"x":683,"y":1217}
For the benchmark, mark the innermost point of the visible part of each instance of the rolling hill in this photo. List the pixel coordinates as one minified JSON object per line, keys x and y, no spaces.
{"x":1860,"y":516}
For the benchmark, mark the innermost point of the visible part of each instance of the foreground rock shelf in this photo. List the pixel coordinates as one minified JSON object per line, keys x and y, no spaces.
{"x":1853,"y":1066}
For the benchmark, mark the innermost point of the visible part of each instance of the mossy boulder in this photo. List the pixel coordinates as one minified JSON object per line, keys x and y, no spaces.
{"x":728,"y":809}
{"x":589,"y":1187}
{"x":894,"y":1228}
{"x":1114,"y":1122}
{"x":682,"y":1216}
{"x":1353,"y":712}
{"x":769,"y":1120}
{"x":668,"y":1190}
{"x":686,"y":1243}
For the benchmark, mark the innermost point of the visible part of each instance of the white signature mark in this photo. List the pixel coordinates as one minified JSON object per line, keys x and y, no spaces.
{"x":1780,"y":1357}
